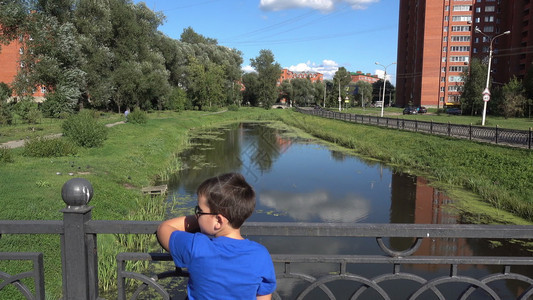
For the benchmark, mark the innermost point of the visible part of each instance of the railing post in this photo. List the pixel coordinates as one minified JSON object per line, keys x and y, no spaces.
{"x":78,"y":251}
{"x":496,"y":135}
{"x":530,"y":137}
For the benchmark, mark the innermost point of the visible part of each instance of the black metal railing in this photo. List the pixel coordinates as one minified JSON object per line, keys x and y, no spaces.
{"x":495,"y":135}
{"x":80,"y":260}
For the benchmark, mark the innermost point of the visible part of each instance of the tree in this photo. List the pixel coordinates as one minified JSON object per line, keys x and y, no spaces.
{"x":341,"y":79}
{"x":528,"y":85}
{"x":190,"y":36}
{"x":474,"y":83}
{"x":286,"y":91}
{"x":268,"y":73}
{"x":251,"y":87}
{"x":319,"y":88}
{"x":514,"y":100}
{"x":303,"y":91}
{"x":363,"y":96}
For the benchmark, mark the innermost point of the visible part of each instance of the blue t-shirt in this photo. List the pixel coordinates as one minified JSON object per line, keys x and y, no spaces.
{"x":223,"y":268}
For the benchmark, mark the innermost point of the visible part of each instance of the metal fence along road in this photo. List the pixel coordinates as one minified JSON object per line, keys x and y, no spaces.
{"x":494,"y":135}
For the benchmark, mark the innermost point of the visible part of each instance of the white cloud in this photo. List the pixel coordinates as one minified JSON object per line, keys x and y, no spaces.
{"x":247,"y":69}
{"x":327,"y":68}
{"x":380,"y":74}
{"x":322,"y":5}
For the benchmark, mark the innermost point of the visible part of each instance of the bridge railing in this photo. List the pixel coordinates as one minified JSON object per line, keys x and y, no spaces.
{"x":78,"y":234}
{"x":495,"y":135}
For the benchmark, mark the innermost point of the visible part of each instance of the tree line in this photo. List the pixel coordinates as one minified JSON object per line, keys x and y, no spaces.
{"x":512,"y":99}
{"x":109,"y":55}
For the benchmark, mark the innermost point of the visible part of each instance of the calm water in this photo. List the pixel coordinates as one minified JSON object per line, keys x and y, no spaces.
{"x":303,"y":181}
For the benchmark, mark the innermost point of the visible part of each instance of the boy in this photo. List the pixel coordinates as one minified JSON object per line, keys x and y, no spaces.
{"x":221,"y":263}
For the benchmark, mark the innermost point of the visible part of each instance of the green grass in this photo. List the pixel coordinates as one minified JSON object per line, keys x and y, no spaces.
{"x":46,"y":126}
{"x":137,"y":155}
{"x":500,"y":176}
{"x":133,"y":156}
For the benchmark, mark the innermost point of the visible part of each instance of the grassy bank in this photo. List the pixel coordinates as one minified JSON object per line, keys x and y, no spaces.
{"x":499,"y":176}
{"x":135,"y":155}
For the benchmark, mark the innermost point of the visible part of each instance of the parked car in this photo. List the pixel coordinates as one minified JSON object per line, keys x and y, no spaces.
{"x":422,"y":110}
{"x":409,"y":110}
{"x":453,"y":111}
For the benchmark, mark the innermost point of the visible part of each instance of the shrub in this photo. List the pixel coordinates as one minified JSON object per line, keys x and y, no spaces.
{"x":138,"y":116}
{"x":233,"y":107}
{"x":84,"y":129}
{"x":48,"y":147}
{"x":5,"y":155}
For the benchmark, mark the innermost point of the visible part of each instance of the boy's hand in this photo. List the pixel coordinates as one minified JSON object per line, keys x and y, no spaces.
{"x":165,"y":229}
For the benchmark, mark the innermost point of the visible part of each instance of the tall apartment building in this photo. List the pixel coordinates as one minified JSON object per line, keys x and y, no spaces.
{"x":437,"y":39}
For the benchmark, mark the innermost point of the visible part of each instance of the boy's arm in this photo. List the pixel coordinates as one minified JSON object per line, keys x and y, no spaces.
{"x":165,"y":229}
{"x":264,"y":297}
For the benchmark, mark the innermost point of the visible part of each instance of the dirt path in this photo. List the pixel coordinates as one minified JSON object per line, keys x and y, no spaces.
{"x":20,"y":143}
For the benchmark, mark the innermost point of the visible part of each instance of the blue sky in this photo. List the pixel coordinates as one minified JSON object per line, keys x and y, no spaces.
{"x":303,"y":35}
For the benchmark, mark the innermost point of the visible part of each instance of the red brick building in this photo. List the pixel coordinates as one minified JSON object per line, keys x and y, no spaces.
{"x":359,"y":76}
{"x":437,"y":39}
{"x":10,"y":64}
{"x":288,"y":75}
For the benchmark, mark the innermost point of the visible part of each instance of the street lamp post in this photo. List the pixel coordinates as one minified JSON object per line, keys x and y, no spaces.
{"x":486,"y":92}
{"x":384,"y":81}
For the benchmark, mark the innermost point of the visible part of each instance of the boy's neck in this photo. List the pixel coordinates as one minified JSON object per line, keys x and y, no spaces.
{"x":231,"y":233}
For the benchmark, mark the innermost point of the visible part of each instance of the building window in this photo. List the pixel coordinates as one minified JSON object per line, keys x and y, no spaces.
{"x":461,"y":28}
{"x":461,"y":38}
{"x":474,"y":50}
{"x":489,"y":18}
{"x":443,"y":69}
{"x":445,"y":39}
{"x":478,"y":9}
{"x":444,"y":59}
{"x":458,"y":68}
{"x":460,"y":48}
{"x":454,"y":88}
{"x":455,"y":79}
{"x":461,"y":18}
{"x":446,"y":18}
{"x":444,"y":49}
{"x":443,"y":79}
{"x":488,"y":29}
{"x":446,"y":8}
{"x":489,"y":8}
{"x":445,"y":28}
{"x":442,"y":89}
{"x":459,"y":58}
{"x":478,"y":20}
{"x":462,"y":8}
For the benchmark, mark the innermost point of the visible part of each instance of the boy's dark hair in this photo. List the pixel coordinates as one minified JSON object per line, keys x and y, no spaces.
{"x":229,"y":195}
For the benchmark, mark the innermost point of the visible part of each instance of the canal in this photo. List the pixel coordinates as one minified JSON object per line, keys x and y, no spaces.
{"x":303,"y":180}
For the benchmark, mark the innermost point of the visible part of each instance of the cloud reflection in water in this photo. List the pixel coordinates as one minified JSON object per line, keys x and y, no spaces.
{"x":317,"y":206}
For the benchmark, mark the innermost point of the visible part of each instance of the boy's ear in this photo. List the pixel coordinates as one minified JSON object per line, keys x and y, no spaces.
{"x":220,"y":221}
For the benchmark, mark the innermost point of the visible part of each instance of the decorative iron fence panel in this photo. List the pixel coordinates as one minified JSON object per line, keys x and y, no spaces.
{"x":79,"y":257}
{"x":495,"y":135}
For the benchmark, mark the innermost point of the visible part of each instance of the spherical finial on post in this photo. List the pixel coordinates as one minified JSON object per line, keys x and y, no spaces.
{"x":77,"y":192}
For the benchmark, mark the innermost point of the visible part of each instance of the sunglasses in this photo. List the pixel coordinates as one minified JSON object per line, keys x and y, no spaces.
{"x":198,"y":212}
